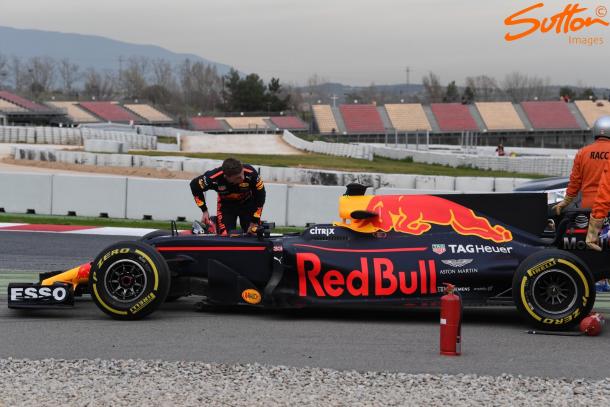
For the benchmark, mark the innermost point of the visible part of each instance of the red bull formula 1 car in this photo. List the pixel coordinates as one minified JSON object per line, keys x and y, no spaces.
{"x":387,"y":251}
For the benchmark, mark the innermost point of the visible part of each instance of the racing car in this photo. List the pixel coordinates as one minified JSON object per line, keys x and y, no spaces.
{"x":386,"y":251}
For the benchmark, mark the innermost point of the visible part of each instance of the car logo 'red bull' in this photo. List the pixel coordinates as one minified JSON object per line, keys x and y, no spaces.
{"x":415,"y":215}
{"x":375,"y":277}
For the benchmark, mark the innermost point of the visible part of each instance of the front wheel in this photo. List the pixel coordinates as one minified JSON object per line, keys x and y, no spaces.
{"x":553,"y":290}
{"x":129,"y":280}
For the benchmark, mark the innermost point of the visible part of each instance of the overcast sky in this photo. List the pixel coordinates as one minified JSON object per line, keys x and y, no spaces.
{"x":355,"y":42}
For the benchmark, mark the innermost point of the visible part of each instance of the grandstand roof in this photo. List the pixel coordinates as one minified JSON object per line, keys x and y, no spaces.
{"x":76,"y":114}
{"x":500,"y":116}
{"x":111,"y":112}
{"x":362,"y":119}
{"x":288,"y":123}
{"x":149,"y":113}
{"x":453,"y":117}
{"x":23,"y":102}
{"x":592,"y":111}
{"x":549,"y":115}
{"x":408,"y":117}
{"x":206,"y":123}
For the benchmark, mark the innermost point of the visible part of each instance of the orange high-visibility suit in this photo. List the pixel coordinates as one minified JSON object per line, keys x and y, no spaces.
{"x":601,"y":205}
{"x":599,"y":209}
{"x":588,"y":166}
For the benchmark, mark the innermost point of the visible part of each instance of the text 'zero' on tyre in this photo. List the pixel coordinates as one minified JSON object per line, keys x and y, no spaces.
{"x":553,"y":289}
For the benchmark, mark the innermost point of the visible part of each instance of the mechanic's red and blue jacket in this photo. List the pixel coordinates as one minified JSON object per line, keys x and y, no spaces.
{"x":250,"y":193}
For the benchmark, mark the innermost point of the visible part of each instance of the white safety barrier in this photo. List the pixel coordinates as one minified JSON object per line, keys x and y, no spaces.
{"x":275,"y":174}
{"x":23,"y":191}
{"x":74,"y":136}
{"x":89,"y":196}
{"x":339,"y":149}
{"x":104,"y":146}
{"x":160,"y":199}
{"x":552,"y":166}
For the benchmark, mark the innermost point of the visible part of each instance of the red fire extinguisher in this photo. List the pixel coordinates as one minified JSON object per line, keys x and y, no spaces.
{"x":451,"y":322}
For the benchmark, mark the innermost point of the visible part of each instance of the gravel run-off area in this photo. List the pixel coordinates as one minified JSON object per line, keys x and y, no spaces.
{"x":159,"y":383}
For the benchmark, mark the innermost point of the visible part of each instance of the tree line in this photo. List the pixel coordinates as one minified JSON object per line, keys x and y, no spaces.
{"x":191,"y":87}
{"x":187,"y":88}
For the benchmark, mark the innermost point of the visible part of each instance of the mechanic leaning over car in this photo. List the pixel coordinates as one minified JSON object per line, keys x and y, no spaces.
{"x":600,"y":209}
{"x":241,"y":193}
{"x":588,"y":166}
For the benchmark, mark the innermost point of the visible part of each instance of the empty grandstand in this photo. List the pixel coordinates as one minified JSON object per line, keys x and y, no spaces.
{"x":292,"y":123}
{"x":550,"y":116}
{"x":15,"y":109}
{"x":23,"y":102}
{"x":362,"y":119}
{"x":75,"y":113}
{"x":149,"y":113}
{"x":408,"y":117}
{"x":593,"y":110}
{"x":453,"y":117}
{"x":207,"y":124}
{"x":499,"y":116}
{"x":6,"y":106}
{"x":325,"y":119}
{"x":111,"y":112}
{"x":246,"y":124}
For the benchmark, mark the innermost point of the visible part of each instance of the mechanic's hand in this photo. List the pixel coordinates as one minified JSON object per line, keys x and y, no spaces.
{"x":205,"y":218}
{"x":253,"y":228}
{"x":559,"y":207}
{"x":592,"y":239}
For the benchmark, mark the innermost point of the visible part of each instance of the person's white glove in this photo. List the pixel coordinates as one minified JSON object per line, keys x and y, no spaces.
{"x":566,"y":202}
{"x":592,"y":239}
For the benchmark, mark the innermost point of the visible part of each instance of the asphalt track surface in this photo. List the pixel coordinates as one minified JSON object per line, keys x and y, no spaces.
{"x":494,"y":340}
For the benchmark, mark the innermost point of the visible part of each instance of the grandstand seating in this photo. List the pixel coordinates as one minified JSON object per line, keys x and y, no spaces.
{"x":149,"y":113}
{"x":246,"y":123}
{"x":362,"y":119}
{"x":23,"y":102}
{"x":325,"y":119}
{"x":206,"y":123}
{"x":110,"y":112}
{"x":408,"y":117}
{"x":76,"y":114}
{"x":500,"y":116}
{"x":6,"y":106}
{"x":453,"y":117}
{"x":549,"y":115}
{"x":288,"y":123}
{"x":592,"y":111}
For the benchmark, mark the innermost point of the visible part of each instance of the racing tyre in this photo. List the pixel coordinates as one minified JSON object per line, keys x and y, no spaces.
{"x":129,"y":280}
{"x":553,"y":290}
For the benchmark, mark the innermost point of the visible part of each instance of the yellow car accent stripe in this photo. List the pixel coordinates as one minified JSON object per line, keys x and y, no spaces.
{"x":152,"y":264}
{"x":114,"y":311}
{"x":577,"y":270}
{"x":524,"y":301}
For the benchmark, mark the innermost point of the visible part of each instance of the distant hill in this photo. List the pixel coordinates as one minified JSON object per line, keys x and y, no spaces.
{"x":86,"y":50}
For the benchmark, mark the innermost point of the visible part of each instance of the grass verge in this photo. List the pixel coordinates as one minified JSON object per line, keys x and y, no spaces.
{"x":113,"y":222}
{"x":321,"y":161}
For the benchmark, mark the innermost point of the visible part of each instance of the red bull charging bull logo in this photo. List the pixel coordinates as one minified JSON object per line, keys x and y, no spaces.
{"x":415,"y":215}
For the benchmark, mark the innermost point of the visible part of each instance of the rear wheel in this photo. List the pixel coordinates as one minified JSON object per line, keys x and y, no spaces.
{"x":553,"y":290}
{"x":129,"y":280}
